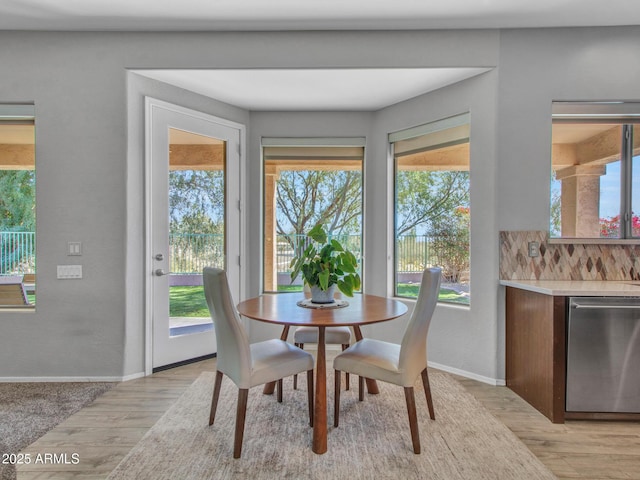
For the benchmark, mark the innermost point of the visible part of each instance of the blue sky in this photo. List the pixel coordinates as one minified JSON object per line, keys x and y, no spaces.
{"x":610,"y":191}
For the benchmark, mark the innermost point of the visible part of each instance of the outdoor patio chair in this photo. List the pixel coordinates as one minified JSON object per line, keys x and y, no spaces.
{"x":13,"y":294}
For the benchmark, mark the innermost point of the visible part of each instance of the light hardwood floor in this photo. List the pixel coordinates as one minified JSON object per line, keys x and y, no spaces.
{"x":104,"y":432}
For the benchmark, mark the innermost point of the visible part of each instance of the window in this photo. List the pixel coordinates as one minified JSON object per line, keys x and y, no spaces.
{"x":309,"y":181}
{"x":432,"y":211}
{"x":17,"y":206}
{"x":594,"y":185}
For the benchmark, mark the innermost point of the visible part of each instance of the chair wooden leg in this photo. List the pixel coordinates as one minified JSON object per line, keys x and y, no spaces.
{"x":336,"y":399}
{"x":279,"y":391}
{"x":216,"y":395}
{"x":310,"y":397}
{"x":344,"y":347}
{"x":361,"y":388}
{"x":295,"y":377}
{"x":427,"y":392}
{"x":413,"y":419}
{"x":243,"y":394}
{"x":270,"y":387}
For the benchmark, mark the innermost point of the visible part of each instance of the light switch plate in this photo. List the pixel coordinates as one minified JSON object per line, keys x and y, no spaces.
{"x":74,"y":248}
{"x":66,"y":272}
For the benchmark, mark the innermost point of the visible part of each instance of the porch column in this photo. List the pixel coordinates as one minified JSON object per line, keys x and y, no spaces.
{"x":581,"y":200}
{"x":270,"y":237}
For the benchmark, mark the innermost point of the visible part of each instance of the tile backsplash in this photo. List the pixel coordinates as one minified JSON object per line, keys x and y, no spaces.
{"x":565,"y":261}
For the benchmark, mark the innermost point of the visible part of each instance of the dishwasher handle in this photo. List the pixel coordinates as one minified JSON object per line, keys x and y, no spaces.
{"x":601,"y":306}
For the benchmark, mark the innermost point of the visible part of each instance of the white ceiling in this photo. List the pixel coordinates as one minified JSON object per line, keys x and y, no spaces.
{"x":341,"y":89}
{"x":148,"y":15}
{"x":313,"y":89}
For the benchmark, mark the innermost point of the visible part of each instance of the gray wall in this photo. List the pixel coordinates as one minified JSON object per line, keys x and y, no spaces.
{"x":89,"y":150}
{"x":536,"y":68}
{"x":460,"y":339}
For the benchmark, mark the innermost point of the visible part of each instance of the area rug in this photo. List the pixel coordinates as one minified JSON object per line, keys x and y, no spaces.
{"x":373,"y":439}
{"x":29,"y":410}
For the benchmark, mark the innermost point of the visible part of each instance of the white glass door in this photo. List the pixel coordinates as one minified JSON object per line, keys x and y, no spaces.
{"x":193,"y":219}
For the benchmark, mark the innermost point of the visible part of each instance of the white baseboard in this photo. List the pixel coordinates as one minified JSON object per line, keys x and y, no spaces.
{"x":58,"y":379}
{"x":336,"y":348}
{"x":126,"y":378}
{"x":496,"y":382}
{"x":463,"y":373}
{"x":133,"y":376}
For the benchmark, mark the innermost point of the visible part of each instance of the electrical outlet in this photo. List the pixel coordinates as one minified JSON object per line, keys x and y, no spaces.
{"x":534,"y":249}
{"x":66,"y":272}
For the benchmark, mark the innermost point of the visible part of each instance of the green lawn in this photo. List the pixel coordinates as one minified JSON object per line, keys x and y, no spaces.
{"x":187,"y":302}
{"x":184,"y":302}
{"x":404,"y":290}
{"x":446,"y":294}
{"x":289,"y":288}
{"x":190,"y":302}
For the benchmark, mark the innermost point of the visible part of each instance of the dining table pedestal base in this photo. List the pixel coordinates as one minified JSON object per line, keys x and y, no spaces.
{"x":320,"y":406}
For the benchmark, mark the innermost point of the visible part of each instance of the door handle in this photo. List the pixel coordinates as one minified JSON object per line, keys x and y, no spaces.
{"x":160,"y":272}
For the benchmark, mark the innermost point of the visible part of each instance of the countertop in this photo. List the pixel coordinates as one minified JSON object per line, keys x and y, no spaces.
{"x":578,"y":288}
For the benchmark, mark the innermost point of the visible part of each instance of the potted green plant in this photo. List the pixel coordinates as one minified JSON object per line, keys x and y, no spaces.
{"x":325,"y":264}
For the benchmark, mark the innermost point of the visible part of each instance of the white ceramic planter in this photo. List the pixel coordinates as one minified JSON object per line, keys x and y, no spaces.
{"x":322,"y":296}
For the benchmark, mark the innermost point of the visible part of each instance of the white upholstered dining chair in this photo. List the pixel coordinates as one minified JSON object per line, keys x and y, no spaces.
{"x":333,"y":335}
{"x":397,"y":364}
{"x":248,"y":365}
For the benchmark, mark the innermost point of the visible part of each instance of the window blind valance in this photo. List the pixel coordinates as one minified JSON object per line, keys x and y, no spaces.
{"x":431,"y":136}
{"x":17,"y":114}
{"x":596,"y":112}
{"x":313,"y":148}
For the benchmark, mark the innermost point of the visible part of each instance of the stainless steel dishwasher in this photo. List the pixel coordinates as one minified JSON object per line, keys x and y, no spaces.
{"x":603,"y":355}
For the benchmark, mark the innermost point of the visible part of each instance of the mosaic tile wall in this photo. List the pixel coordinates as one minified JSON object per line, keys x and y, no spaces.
{"x":574,"y":261}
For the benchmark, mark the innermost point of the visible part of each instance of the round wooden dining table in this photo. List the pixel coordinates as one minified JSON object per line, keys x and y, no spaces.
{"x":283,"y":309}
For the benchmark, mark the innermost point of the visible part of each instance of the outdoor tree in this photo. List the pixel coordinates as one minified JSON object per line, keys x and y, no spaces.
{"x":425,"y":198}
{"x":196,"y":214}
{"x":334,"y":198}
{"x":309,"y":197}
{"x":555,"y":223}
{"x":17,"y":203}
{"x":436,"y":204}
{"x":451,"y":244}
{"x":610,"y":226}
{"x":196,"y":201}
{"x":17,"y":214}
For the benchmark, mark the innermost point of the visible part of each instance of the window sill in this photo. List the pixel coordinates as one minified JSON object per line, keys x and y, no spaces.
{"x":413,"y":300}
{"x":595,"y":241}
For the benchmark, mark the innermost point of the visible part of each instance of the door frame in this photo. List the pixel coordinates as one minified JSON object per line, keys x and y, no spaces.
{"x":150,"y":104}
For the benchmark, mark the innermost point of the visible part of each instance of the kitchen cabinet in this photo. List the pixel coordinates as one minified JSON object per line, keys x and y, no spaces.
{"x":536,"y":341}
{"x":535,"y":350}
